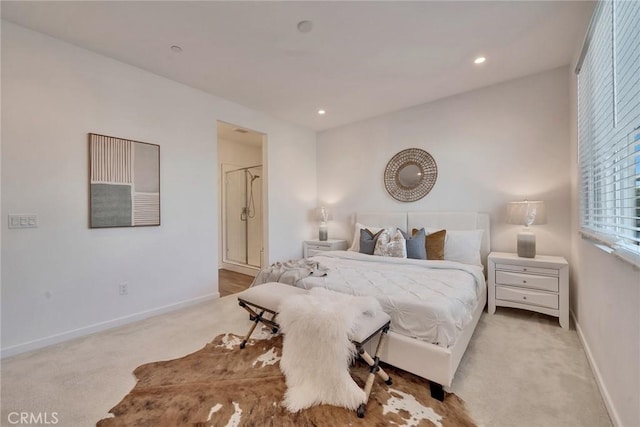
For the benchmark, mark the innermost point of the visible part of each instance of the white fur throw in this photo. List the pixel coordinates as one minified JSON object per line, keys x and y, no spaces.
{"x":317,"y":352}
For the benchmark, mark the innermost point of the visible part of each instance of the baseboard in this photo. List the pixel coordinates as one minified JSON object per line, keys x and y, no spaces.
{"x":102,"y":326}
{"x":613,"y":415}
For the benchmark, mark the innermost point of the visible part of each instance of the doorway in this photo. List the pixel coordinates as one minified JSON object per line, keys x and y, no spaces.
{"x":242,"y":183}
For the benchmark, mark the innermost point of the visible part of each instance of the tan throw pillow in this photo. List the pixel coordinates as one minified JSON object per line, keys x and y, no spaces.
{"x":434,"y":244}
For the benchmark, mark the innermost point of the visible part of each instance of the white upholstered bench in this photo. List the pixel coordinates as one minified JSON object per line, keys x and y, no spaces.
{"x":262,"y":303}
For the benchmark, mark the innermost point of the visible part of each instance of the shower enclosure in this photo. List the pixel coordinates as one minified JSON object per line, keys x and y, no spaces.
{"x":243,"y":216}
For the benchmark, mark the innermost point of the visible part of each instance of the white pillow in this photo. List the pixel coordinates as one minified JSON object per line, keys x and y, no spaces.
{"x":391,"y":245}
{"x":463,"y":246}
{"x":355,"y":245}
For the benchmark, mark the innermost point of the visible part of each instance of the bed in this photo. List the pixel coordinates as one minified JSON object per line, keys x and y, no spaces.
{"x":434,"y":305}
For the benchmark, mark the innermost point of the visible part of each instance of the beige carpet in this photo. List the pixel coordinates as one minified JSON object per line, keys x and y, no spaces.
{"x":521,"y":368}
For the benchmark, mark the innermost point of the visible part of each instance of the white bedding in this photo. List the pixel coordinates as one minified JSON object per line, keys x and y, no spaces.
{"x":428,"y":300}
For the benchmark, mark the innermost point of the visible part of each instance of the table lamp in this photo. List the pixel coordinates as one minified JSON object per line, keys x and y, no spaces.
{"x":526,"y":213}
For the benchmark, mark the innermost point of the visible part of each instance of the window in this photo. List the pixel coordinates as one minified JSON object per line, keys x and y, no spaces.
{"x":609,"y":128}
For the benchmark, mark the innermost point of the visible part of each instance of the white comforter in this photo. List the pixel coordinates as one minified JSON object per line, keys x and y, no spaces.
{"x":428,"y":300}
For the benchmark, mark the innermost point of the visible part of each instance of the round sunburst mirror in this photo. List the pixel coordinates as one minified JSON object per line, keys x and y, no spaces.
{"x":410,"y":175}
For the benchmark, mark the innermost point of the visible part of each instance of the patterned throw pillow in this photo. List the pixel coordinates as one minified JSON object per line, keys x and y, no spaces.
{"x":368,"y":241}
{"x":434,"y":244}
{"x":391,"y":245}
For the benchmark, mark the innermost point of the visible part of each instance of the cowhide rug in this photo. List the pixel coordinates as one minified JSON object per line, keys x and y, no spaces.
{"x":221,"y":385}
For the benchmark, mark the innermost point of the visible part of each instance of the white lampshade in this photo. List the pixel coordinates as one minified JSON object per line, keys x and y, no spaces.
{"x":526,"y":213}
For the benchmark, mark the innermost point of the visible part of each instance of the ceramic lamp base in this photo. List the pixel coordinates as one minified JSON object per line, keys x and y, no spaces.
{"x":323,"y":233}
{"x":526,"y":244}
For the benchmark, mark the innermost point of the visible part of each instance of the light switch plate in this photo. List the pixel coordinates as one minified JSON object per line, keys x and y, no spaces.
{"x":23,"y":221}
{"x":14,"y":221}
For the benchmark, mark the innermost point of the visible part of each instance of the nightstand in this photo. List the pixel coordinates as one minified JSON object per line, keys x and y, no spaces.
{"x":314,"y":247}
{"x":538,"y":284}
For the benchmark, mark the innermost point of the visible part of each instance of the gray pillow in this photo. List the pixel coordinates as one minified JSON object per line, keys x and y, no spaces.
{"x":368,"y":241}
{"x":416,"y":244}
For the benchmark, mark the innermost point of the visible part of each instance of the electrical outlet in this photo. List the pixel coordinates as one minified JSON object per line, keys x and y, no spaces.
{"x":123,"y":288}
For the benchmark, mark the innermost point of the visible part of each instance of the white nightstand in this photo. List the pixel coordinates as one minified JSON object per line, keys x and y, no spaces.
{"x":313,"y":247}
{"x":538,"y":284}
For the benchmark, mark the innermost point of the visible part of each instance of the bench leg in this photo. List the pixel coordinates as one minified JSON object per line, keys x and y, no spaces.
{"x":371,"y":362}
{"x":257,"y":315}
{"x":256,"y":319}
{"x":374,"y":363}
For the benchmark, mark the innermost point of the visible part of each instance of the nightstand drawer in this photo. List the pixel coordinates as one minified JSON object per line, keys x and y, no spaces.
{"x":526,"y":296}
{"x":545,"y":283}
{"x":528,"y":270}
{"x":314,"y":251}
{"x":313,"y":247}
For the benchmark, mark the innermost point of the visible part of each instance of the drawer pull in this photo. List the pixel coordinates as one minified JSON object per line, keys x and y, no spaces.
{"x":524,"y":297}
{"x":524,"y":281}
{"x":524,"y":269}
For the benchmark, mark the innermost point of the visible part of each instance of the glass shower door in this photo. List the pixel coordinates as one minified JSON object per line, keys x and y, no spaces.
{"x":235,"y":227}
{"x":243,"y":216}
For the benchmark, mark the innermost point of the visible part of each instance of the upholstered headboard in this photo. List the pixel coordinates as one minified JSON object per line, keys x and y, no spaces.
{"x":432,"y":219}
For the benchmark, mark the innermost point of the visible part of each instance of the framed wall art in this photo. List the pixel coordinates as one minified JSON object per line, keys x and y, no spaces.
{"x":124,"y":182}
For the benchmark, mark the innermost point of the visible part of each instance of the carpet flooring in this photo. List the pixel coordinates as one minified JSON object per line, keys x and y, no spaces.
{"x":521,"y":368}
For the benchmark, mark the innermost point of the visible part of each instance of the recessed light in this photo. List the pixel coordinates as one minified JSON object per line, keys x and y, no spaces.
{"x":176,"y":49}
{"x":479,"y":60}
{"x":305,"y":26}
{"x":321,"y":112}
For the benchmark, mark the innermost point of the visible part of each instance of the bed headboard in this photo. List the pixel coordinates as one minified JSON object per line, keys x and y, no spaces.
{"x":432,"y":219}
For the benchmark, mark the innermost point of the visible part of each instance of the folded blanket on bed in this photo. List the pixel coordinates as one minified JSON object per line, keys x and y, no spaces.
{"x":317,"y":352}
{"x":289,"y":272}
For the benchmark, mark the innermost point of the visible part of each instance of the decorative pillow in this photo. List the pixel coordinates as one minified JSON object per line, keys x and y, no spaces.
{"x":463,"y":246}
{"x":434,"y":244}
{"x":416,"y":247}
{"x":355,"y":245}
{"x":390,"y":245}
{"x":368,"y":241}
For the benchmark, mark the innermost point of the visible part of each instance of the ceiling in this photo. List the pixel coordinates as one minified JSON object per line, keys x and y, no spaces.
{"x":361,"y":59}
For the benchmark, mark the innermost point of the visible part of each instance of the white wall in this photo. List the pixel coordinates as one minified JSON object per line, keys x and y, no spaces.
{"x":502,"y":143}
{"x":61,"y":279}
{"x":605,"y":301}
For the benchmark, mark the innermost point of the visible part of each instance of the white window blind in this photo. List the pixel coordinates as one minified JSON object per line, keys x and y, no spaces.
{"x":609,"y":128}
